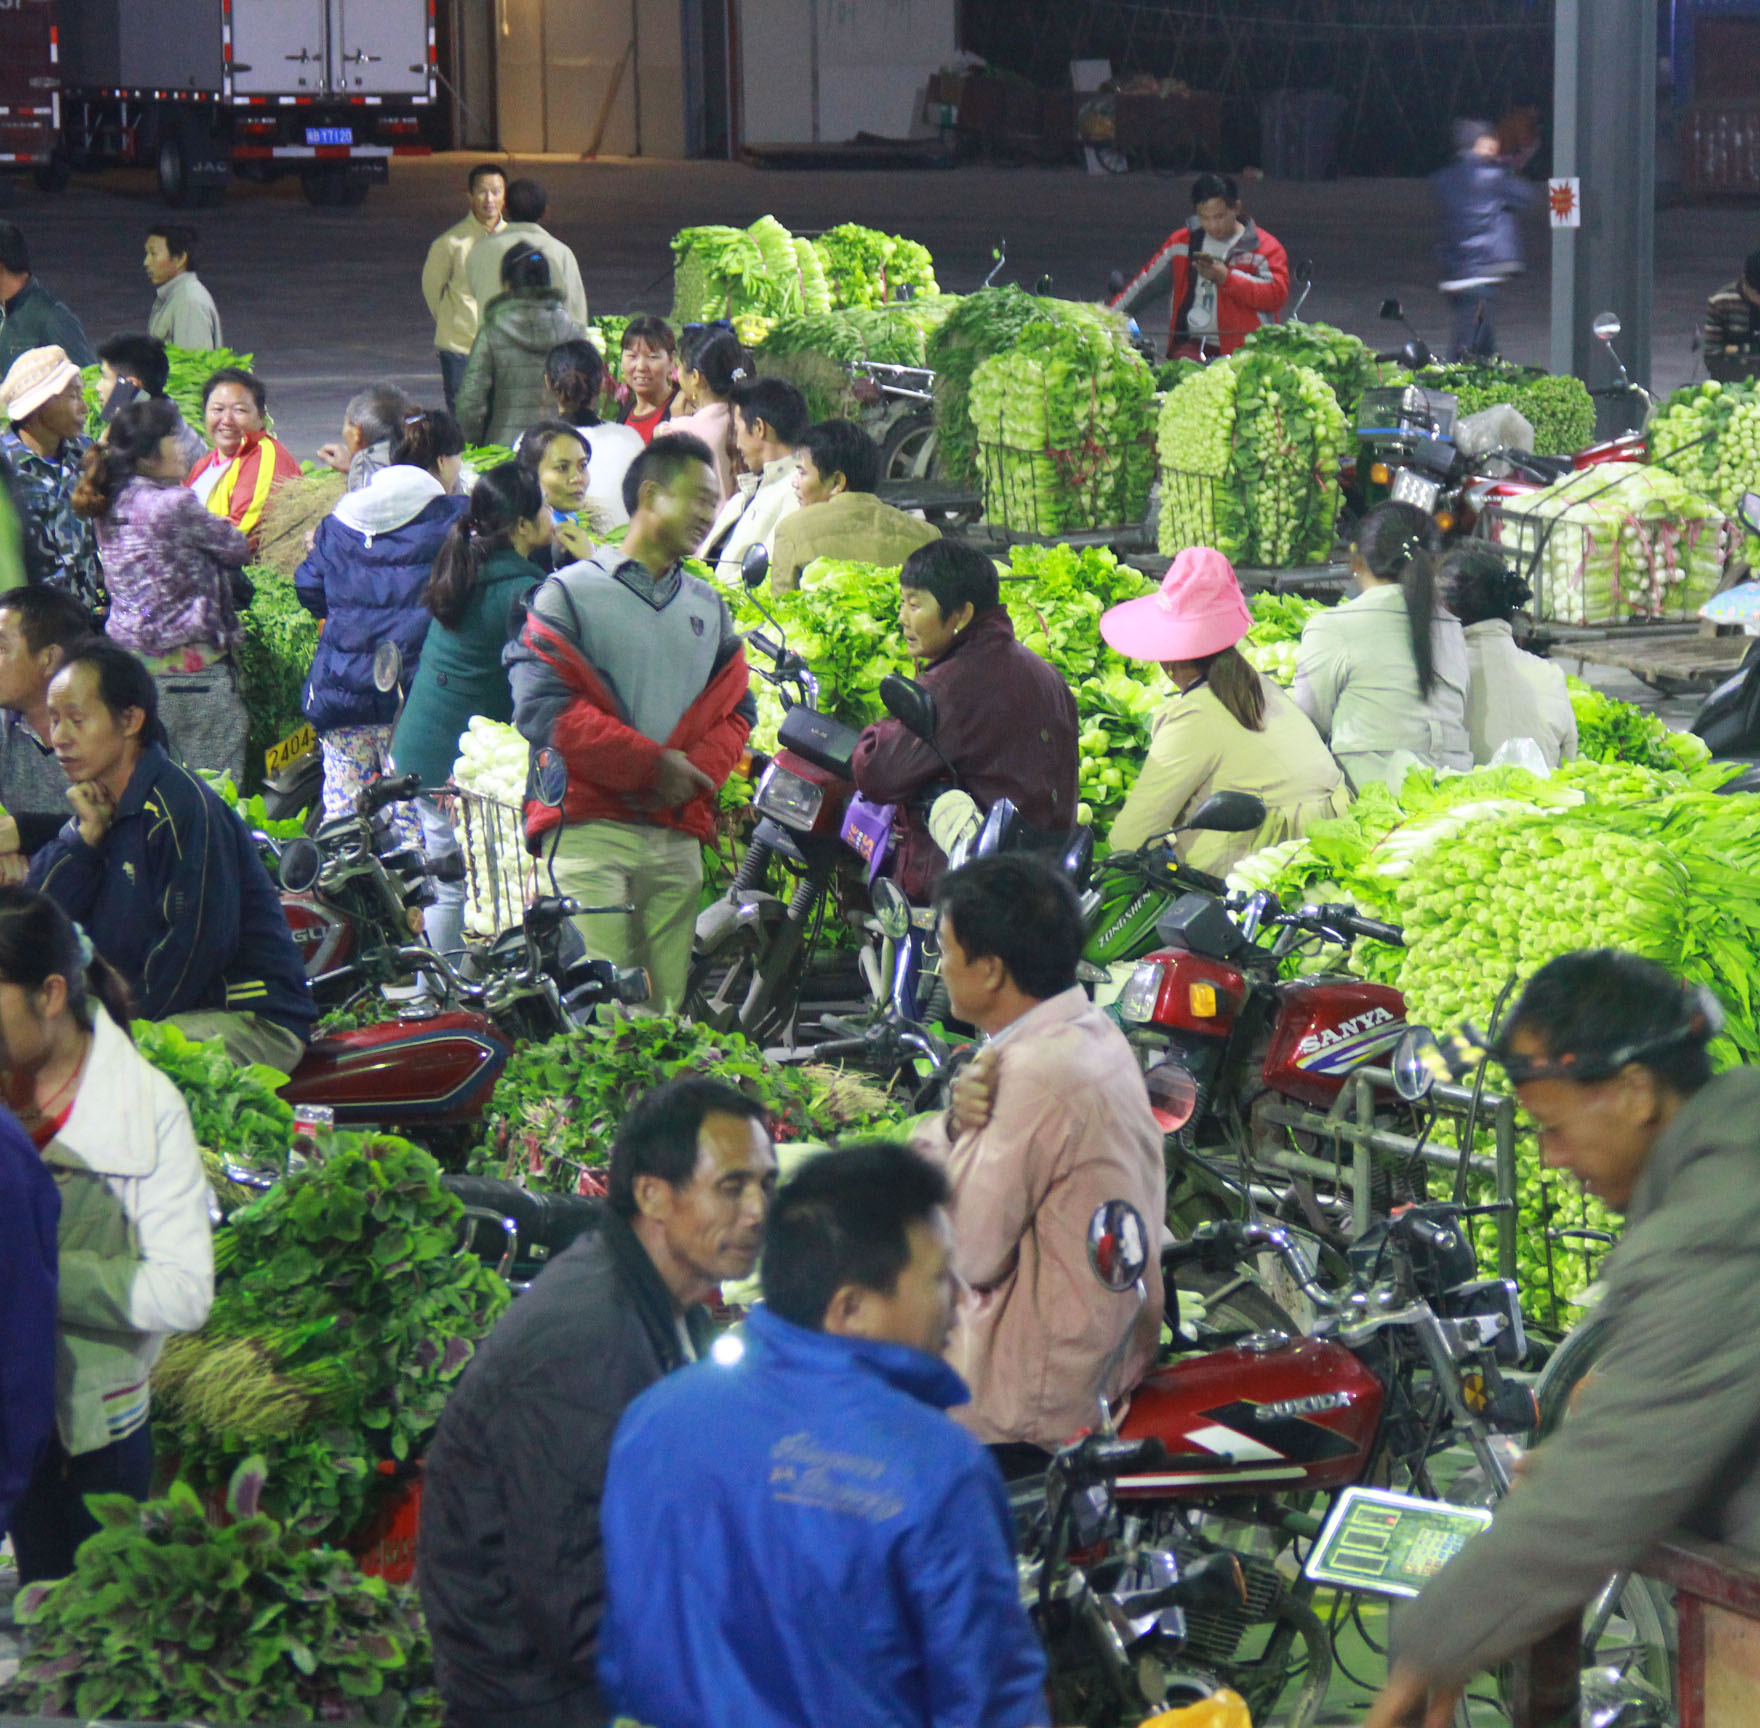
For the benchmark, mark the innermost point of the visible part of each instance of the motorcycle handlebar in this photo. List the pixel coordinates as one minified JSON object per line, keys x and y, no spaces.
{"x":1219,"y":1246}
{"x":374,"y":798}
{"x":1096,"y":1460}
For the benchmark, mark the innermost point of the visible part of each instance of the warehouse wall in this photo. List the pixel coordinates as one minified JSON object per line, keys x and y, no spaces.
{"x":557,"y":59}
{"x":820,"y":71}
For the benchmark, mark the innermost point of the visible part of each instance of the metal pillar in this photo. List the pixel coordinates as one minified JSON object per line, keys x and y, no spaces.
{"x":1604,"y":131}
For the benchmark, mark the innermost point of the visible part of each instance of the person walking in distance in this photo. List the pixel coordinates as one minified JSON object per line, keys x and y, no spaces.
{"x":1478,"y":200}
{"x":446,"y":280}
{"x":184,"y":314}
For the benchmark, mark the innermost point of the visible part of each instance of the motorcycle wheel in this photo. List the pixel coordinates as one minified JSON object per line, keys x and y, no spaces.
{"x":909,"y":450}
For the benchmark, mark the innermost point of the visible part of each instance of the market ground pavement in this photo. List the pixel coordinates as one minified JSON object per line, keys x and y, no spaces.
{"x":328,"y":300}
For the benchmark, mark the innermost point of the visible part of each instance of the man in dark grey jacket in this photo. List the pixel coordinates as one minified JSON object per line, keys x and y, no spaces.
{"x":510,"y":1566}
{"x":1608,"y":1054}
{"x":1479,"y":200}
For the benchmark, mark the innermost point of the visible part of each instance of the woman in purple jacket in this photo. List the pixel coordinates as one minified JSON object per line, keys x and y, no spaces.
{"x":170,"y":566}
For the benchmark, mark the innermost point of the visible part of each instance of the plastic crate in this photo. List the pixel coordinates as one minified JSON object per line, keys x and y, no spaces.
{"x":497,"y":867}
{"x":1622,"y":569}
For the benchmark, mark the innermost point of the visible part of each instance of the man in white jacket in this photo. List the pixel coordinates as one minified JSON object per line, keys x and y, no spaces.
{"x":526,"y":204}
{"x":769,"y":421}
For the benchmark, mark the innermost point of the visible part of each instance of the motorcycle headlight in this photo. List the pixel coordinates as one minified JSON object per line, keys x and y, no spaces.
{"x":1417,"y":1061}
{"x":786,"y":798}
{"x":892,"y":911}
{"x":1136,"y":1003}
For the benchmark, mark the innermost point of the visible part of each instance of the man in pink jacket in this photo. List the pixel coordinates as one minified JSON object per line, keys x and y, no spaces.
{"x":1050,"y":1121}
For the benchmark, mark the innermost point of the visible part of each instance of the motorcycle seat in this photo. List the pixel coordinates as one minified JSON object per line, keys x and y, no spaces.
{"x":1006,"y":830}
{"x":547,"y":1223}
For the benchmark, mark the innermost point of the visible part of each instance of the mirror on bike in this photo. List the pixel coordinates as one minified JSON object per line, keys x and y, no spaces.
{"x":1226,"y":813}
{"x":1392,"y":311}
{"x":1415,"y":355}
{"x":755,"y":566}
{"x":1118,"y":1245}
{"x":301,"y":865}
{"x":910,"y":705}
{"x":1418,"y":1063}
{"x":387,"y":667}
{"x":1115,"y":284}
{"x":549,"y":778}
{"x":1605,"y":326}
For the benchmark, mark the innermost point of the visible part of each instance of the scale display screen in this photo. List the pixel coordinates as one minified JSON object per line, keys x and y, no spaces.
{"x":1386,"y":1544}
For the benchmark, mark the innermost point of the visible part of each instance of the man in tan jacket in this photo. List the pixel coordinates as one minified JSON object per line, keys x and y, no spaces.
{"x":445,"y":278}
{"x":837,"y":469}
{"x":1049,"y":1121}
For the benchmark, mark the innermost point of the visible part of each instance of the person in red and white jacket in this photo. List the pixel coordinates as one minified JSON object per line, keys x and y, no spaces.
{"x":1228,"y":275}
{"x":630,"y":667}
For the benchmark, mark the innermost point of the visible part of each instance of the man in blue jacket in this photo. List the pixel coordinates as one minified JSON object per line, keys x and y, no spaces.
{"x":1478,"y":199}
{"x":163,"y":876}
{"x":798,"y":1536}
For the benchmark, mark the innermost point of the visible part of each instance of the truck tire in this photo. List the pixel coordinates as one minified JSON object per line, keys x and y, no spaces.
{"x":53,"y":175}
{"x":332,"y":188}
{"x":174,"y":180}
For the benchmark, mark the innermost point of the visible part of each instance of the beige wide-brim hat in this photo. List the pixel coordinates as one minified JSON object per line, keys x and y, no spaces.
{"x":36,"y":376}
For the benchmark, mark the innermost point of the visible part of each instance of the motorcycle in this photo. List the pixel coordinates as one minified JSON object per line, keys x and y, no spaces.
{"x":430,"y":1072}
{"x":1261,"y":1443}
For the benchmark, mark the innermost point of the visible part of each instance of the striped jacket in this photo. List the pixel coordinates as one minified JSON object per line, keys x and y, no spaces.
{"x":177,"y":900}
{"x":1257,"y":285}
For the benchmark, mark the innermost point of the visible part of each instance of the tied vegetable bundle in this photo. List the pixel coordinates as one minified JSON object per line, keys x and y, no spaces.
{"x":1249,"y":455}
{"x":1063,"y":420}
{"x":1620,"y":541}
{"x":280,"y":638}
{"x":1709,"y":436}
{"x":1495,"y":872}
{"x":1560,"y":410}
{"x":1346,"y":362}
{"x":814,"y":351}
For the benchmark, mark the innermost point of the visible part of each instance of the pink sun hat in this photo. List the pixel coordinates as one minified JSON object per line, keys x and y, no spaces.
{"x":1198,"y":611}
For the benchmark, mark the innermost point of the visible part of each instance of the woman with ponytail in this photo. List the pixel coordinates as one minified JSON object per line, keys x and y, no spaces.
{"x":710,"y":362}
{"x":136,"y":1255}
{"x":1384,"y":676}
{"x":480,"y":580}
{"x":1514,"y":694}
{"x":170,"y":567}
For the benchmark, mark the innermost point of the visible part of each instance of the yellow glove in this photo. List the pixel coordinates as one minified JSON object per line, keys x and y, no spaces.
{"x":1222,"y":1709}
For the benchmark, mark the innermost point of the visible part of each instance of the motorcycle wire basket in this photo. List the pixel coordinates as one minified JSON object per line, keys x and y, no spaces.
{"x":1602,"y":563}
{"x":497,"y":867}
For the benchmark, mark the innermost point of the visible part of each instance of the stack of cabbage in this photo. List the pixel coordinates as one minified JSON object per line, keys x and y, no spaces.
{"x":1276,"y":636}
{"x":1709,"y":436}
{"x":1063,"y":419}
{"x":1616,"y":542}
{"x":1249,"y":454}
{"x":492,"y":763}
{"x":1559,"y":409}
{"x":813,"y":351}
{"x":1495,"y":872}
{"x":723,"y":272}
{"x":1346,"y":362}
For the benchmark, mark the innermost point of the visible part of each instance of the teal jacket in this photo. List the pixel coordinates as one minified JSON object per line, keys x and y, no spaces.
{"x":461,"y":674}
{"x":34,"y":318}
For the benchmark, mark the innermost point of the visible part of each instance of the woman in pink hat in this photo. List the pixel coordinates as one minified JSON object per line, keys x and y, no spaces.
{"x":1225,"y":729}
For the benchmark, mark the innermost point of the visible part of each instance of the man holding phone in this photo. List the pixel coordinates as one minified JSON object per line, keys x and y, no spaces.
{"x":134,"y":366}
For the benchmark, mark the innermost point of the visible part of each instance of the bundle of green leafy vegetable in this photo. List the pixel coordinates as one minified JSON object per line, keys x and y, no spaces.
{"x":1063,"y":418}
{"x":1559,"y":409}
{"x":1272,"y":643}
{"x":1346,"y":363}
{"x":557,"y":1106}
{"x":864,"y":267}
{"x":342,"y":1313}
{"x":813,"y":351}
{"x":170,"y":1616}
{"x":1609,"y":730}
{"x":982,"y":324}
{"x":280,"y":638}
{"x":721,"y":272}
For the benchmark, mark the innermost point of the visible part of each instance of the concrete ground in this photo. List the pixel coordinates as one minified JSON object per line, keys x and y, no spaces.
{"x":330,"y":299}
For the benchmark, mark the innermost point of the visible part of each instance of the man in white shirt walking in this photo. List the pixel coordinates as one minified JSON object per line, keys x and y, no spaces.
{"x":445,"y":276}
{"x":184,"y":314}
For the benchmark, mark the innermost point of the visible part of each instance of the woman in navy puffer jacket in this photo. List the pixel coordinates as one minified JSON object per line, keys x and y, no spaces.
{"x":364,"y":575}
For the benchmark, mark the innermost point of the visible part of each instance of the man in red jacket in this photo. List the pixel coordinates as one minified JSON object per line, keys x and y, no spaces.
{"x":630,"y":667}
{"x":1228,"y":275}
{"x":1005,"y":719}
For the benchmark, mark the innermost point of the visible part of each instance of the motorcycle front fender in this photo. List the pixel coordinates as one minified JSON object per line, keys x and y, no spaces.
{"x":753,"y":909}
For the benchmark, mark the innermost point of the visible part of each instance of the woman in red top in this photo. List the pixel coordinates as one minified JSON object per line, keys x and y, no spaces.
{"x":246,"y":464}
{"x":646,"y":390}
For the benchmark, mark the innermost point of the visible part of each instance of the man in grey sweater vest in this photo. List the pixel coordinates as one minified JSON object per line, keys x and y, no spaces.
{"x":630,"y":667}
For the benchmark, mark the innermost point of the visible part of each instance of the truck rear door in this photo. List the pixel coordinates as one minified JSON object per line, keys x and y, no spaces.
{"x":379,"y":47}
{"x":279,"y":47}
{"x":30,"y":81}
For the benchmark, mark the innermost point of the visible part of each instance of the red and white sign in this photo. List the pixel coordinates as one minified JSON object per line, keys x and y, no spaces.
{"x":1564,"y":202}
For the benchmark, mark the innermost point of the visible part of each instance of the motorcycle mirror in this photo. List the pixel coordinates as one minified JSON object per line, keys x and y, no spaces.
{"x":1393,"y":311}
{"x":1118,"y":1245}
{"x":549,"y":778}
{"x":1415,"y":355}
{"x":1305,"y":271}
{"x":387,"y":667}
{"x":755,"y":566}
{"x":910,"y":705}
{"x":1226,"y":813}
{"x":301,"y":865}
{"x":1605,"y":326}
{"x":1115,"y":284}
{"x":1042,"y":287}
{"x":1417,"y":1062}
{"x":1749,"y":511}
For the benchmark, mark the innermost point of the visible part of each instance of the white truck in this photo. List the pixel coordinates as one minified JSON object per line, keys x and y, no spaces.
{"x":205,"y":89}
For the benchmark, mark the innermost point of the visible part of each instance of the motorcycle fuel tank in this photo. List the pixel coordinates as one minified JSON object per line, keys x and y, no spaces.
{"x":436,"y":1070}
{"x":1295,"y":1417}
{"x":1324,"y":1028}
